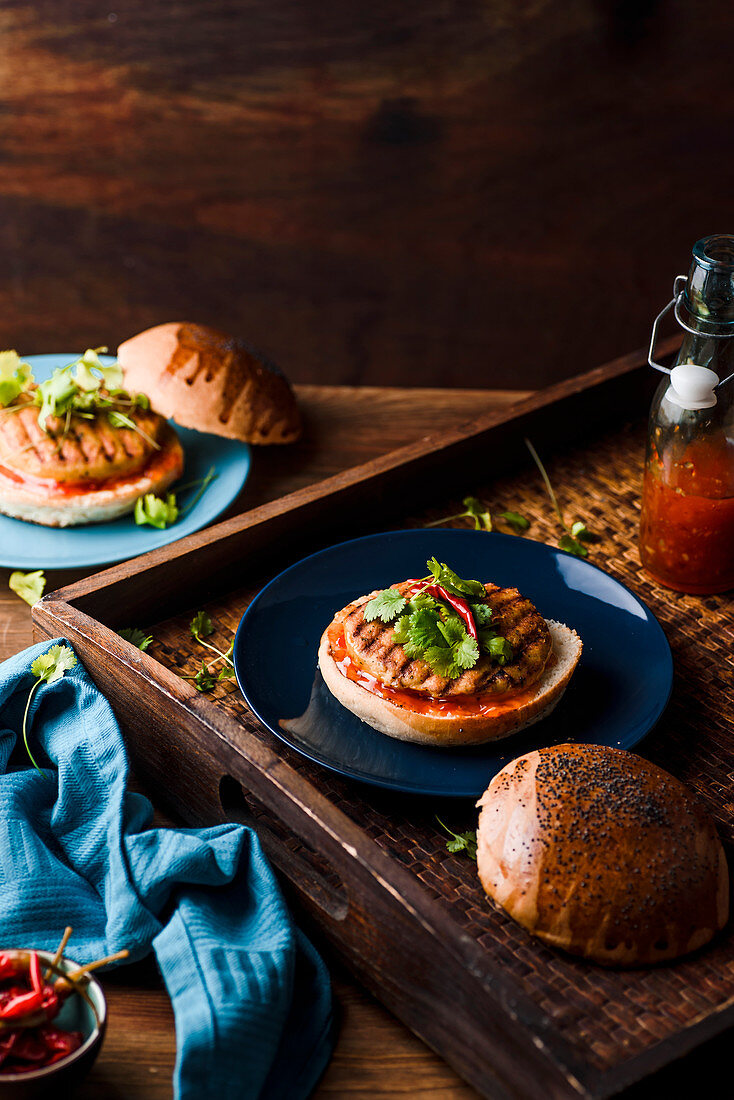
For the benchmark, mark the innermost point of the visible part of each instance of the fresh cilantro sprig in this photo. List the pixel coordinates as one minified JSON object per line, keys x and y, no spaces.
{"x":460,"y":842}
{"x":47,"y":668}
{"x":452,"y":582}
{"x":577,"y":534}
{"x":430,"y":629}
{"x":201,"y":628}
{"x":29,"y":586}
{"x":136,"y":637}
{"x":385,"y":606}
{"x":479,"y":512}
{"x":475,"y":511}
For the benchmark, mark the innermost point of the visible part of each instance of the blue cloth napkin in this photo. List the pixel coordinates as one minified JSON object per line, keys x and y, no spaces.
{"x":251,"y":997}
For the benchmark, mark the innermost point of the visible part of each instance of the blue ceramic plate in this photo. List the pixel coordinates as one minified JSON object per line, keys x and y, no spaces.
{"x":616,"y":696}
{"x":30,"y":546}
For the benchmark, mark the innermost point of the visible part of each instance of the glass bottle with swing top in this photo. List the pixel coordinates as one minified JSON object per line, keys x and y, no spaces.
{"x":687,"y":520}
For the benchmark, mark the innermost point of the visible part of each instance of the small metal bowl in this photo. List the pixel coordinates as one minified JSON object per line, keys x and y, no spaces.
{"x":75,"y":1015}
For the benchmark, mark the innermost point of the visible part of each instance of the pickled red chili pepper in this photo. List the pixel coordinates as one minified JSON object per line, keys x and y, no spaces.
{"x":28,"y":1040}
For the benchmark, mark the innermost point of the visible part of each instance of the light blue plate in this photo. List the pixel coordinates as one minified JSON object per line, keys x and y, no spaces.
{"x":30,"y":546}
{"x":616,"y":696}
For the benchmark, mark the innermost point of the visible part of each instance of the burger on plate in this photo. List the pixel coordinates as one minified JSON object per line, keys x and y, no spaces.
{"x":447,"y":661}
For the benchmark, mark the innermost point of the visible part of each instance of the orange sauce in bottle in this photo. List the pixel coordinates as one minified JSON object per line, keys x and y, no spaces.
{"x":687,"y":522}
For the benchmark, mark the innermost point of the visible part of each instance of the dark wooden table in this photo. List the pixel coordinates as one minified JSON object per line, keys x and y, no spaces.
{"x":376,"y":1056}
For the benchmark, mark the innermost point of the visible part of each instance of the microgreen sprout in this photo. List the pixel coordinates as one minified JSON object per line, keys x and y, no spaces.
{"x":577,"y":534}
{"x":475,"y":511}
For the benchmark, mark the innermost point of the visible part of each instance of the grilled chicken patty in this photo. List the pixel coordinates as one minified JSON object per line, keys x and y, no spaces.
{"x":371,"y":647}
{"x":91,"y":450}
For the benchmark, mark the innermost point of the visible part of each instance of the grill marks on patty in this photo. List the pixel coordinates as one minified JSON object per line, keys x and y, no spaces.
{"x":91,"y":450}
{"x":372,"y":648}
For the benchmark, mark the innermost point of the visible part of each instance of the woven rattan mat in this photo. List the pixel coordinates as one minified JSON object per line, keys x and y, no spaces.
{"x":610,"y":1015}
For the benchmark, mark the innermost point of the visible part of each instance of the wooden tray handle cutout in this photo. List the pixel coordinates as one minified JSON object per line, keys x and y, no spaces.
{"x":307,"y":871}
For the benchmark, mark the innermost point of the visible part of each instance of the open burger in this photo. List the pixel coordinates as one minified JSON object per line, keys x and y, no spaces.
{"x":447,"y":661}
{"x":78,"y":448}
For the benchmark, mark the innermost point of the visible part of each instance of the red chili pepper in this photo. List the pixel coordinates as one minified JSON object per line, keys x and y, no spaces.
{"x":35,"y":973}
{"x":25,"y":1004}
{"x":460,"y":606}
{"x":9,"y":967}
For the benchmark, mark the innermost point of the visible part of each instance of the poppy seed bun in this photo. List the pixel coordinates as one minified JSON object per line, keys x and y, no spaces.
{"x":63,"y":504}
{"x":206,"y":380}
{"x":603,"y":854}
{"x":506,"y":717}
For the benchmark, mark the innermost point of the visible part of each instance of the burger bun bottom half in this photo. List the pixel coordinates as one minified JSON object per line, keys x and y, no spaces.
{"x":508,"y":717}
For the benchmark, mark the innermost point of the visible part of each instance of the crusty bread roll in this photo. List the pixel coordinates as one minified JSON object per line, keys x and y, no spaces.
{"x":603,"y":854}
{"x":398,"y":720}
{"x":206,"y":380}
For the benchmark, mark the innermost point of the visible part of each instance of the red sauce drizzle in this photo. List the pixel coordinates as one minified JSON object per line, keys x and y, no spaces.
{"x":448,"y":706}
{"x":48,"y":487}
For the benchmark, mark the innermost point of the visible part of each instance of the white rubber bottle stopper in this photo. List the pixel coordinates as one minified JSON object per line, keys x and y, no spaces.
{"x":692,"y":387}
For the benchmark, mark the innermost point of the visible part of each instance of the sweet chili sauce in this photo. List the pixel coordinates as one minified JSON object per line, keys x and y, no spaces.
{"x":449,"y":706}
{"x":687,"y":518}
{"x":687,"y":521}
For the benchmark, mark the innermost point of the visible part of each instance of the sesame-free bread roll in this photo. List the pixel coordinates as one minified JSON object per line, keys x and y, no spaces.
{"x":206,"y":380}
{"x":603,"y":854}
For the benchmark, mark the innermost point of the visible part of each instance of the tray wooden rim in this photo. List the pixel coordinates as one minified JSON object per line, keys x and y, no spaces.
{"x":68,"y":610}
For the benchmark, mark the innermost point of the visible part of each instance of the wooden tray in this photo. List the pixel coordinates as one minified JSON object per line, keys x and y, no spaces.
{"x":370,"y":868}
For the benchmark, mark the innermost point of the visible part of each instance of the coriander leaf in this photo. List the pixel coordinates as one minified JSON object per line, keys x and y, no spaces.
{"x":423,"y":602}
{"x":227,"y":673}
{"x":478,"y":512}
{"x":201,"y":625}
{"x":500,"y":649}
{"x":452,"y":630}
{"x":15,"y":376}
{"x":461,"y":842}
{"x":441,"y":660}
{"x":386,"y":605}
{"x":515,"y":520}
{"x":48,"y":667}
{"x":482,"y":613}
{"x":52,"y":665}
{"x":136,"y":637}
{"x":29,"y":586}
{"x":452,"y":582}
{"x":142,"y":401}
{"x":573,"y":546}
{"x":466,"y":652}
{"x":84,"y":378}
{"x":156,"y":512}
{"x":401,"y":628}
{"x":424,"y":629}
{"x":204,"y":681}
{"x":485,"y":637}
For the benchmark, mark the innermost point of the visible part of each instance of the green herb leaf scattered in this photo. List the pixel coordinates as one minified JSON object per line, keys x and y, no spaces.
{"x":47,"y":668}
{"x":204,"y":681}
{"x":201,"y":625}
{"x":573,"y":546}
{"x":155,"y":511}
{"x":29,"y":586}
{"x":515,"y":520}
{"x":136,"y":637}
{"x":461,"y":842}
{"x":386,"y":605}
{"x":475,"y":510}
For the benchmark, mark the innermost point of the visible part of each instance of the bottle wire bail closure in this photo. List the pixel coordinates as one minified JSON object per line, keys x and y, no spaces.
{"x":706,"y":329}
